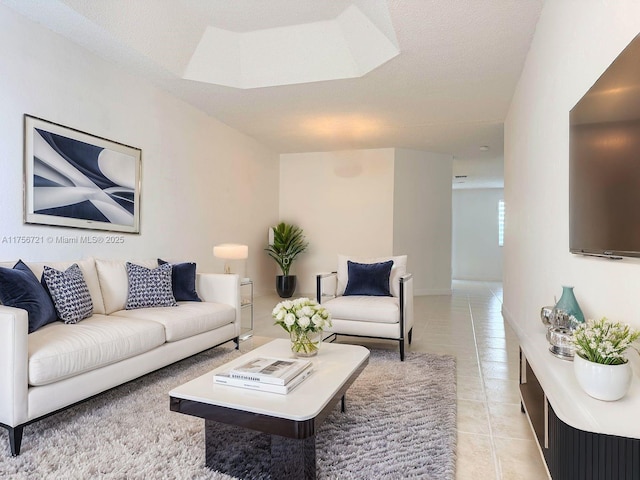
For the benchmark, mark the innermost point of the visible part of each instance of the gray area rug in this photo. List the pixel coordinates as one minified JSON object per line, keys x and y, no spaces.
{"x":400,"y":423}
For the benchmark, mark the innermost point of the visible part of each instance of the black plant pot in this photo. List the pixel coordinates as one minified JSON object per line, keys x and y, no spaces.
{"x":285,"y":285}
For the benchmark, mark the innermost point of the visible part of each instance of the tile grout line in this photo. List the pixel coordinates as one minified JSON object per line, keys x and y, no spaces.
{"x":484,"y":393}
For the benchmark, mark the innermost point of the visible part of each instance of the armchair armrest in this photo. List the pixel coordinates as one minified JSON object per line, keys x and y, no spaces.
{"x":406,"y":302}
{"x":14,"y":355}
{"x":329,"y":280}
{"x":220,"y":288}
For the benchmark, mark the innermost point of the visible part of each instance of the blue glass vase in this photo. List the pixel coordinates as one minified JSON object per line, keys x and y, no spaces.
{"x":569,"y":304}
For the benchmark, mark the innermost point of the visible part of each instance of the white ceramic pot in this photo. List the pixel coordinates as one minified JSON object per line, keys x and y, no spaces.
{"x":604,"y":382}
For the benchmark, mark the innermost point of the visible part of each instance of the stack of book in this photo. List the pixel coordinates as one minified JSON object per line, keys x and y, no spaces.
{"x":275,"y":375}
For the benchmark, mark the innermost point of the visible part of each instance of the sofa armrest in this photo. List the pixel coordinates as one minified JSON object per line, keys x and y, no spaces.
{"x":14,"y":364}
{"x":324,"y":282}
{"x":406,"y":299}
{"x":220,"y":288}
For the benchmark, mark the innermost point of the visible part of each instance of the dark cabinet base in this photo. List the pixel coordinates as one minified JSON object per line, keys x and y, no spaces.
{"x":576,"y":454}
{"x":570,"y":453}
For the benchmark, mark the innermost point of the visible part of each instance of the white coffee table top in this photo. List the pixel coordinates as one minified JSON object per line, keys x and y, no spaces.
{"x":333,"y":366}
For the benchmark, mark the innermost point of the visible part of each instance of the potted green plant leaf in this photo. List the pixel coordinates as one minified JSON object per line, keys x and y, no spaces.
{"x":288,"y":243}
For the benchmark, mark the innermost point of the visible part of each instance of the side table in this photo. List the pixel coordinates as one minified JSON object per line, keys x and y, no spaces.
{"x":246,"y":305}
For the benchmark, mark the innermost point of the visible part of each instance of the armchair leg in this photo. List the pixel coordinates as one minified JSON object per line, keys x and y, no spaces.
{"x":402,"y":350}
{"x":15,"y":439}
{"x":410,"y":334}
{"x":334,"y":335}
{"x":237,"y":342}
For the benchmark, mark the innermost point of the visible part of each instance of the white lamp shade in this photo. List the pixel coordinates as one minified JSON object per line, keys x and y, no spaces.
{"x":231,"y":251}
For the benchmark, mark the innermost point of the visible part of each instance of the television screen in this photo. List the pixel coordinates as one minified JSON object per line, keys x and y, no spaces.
{"x":604,"y":162}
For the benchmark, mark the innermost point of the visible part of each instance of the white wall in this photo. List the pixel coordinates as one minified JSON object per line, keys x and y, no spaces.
{"x":370,"y":203}
{"x":573,"y":44}
{"x":203,"y":183}
{"x":422,"y":218}
{"x":476,"y":254}
{"x":344,"y":203}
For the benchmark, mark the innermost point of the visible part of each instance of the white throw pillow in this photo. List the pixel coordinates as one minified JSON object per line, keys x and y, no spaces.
{"x":399,"y":269}
{"x":114,"y":282}
{"x":89,"y":273}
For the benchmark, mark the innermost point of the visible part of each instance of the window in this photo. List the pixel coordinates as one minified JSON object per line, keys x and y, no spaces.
{"x":501,"y":223}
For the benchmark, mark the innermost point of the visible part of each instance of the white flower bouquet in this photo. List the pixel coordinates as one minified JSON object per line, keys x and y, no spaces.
{"x":605,"y":342}
{"x":303,"y":319}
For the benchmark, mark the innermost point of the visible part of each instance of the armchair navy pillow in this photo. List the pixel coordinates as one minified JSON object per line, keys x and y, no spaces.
{"x":69,"y":292}
{"x":20,"y":288}
{"x":183,"y":281}
{"x":371,"y":279}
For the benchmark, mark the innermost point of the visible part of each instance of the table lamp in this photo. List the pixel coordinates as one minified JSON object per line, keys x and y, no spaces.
{"x":230,"y":251}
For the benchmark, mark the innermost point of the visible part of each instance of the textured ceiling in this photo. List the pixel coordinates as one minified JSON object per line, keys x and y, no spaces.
{"x":447,"y":91}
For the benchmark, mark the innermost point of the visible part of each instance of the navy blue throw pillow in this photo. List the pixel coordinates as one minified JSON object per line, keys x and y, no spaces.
{"x":20,"y":288}
{"x":369,"y":279}
{"x":183,"y":281}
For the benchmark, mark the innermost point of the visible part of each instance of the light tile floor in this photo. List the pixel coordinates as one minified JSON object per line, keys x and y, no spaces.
{"x":494,"y":437}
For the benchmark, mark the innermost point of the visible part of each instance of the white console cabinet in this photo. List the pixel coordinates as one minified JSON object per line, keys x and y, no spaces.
{"x":580,"y":437}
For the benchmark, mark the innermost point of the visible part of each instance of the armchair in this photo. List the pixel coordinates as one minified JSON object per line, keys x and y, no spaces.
{"x":385,"y":316}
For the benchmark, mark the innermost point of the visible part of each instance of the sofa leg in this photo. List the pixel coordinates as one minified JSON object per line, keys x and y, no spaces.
{"x":410,"y":334}
{"x":237,"y":342}
{"x":402,"y":350}
{"x":15,"y":439}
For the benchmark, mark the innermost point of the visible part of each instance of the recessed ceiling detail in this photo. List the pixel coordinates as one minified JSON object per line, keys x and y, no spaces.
{"x":347,"y":46}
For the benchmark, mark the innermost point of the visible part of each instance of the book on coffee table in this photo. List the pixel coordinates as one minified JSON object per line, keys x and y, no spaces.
{"x":275,"y":371}
{"x":226,"y":379}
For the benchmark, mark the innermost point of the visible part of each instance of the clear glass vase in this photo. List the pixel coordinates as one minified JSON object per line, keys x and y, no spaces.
{"x":305,"y":344}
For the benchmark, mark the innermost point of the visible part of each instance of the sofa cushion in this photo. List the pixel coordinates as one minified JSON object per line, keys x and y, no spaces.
{"x":183,"y":281}
{"x":88,"y":267}
{"x":69,"y":292}
{"x":149,"y":287}
{"x":20,"y":288}
{"x":399,"y":269}
{"x":188,"y":319}
{"x":58,"y":351}
{"x":114,"y":283}
{"x":369,"y":279}
{"x":364,"y":308}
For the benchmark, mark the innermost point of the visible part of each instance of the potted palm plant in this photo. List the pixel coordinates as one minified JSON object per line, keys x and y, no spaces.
{"x":288,"y":243}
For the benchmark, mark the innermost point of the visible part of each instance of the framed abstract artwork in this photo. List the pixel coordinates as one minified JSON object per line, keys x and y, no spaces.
{"x":75,"y":179}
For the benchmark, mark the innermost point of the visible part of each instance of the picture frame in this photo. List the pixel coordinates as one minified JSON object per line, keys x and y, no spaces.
{"x":75,"y":179}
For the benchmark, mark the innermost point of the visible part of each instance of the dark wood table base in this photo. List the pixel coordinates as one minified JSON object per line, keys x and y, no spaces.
{"x":245,"y":453}
{"x":256,"y":446}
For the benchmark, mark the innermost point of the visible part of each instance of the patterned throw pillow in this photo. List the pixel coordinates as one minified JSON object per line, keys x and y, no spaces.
{"x":149,"y":287}
{"x":69,"y":292}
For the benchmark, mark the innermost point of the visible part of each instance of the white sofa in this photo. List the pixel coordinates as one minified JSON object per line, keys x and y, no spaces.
{"x":386,"y":317}
{"x":59,"y":365}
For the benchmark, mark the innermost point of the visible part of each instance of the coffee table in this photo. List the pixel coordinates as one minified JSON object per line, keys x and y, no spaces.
{"x":268,"y":428}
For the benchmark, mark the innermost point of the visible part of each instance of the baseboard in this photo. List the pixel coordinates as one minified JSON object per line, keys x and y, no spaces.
{"x":506,"y":314}
{"x":432,"y":291}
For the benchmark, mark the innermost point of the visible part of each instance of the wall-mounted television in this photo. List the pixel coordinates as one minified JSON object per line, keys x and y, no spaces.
{"x":604,"y":162}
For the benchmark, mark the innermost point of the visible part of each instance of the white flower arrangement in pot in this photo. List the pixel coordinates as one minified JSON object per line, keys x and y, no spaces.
{"x":600,"y":364}
{"x":305,"y":320}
